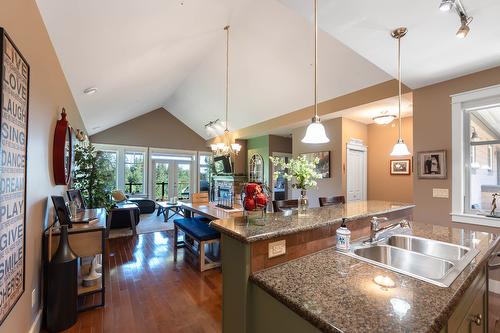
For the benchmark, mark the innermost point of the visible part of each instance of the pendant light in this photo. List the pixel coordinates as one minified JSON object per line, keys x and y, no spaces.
{"x":400,"y":148}
{"x":315,"y":132}
{"x":227,"y":147}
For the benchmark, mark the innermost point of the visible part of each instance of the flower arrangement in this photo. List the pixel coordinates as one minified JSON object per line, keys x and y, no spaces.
{"x":300,"y":169}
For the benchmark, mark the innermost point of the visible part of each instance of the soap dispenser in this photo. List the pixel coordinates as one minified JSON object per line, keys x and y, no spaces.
{"x":343,"y":237}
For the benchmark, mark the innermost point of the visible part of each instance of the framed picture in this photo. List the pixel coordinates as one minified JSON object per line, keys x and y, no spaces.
{"x":432,"y":164}
{"x":14,"y":95}
{"x":323,"y":167}
{"x":400,"y":167}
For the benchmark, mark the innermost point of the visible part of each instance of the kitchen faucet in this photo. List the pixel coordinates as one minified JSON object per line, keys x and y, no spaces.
{"x":376,"y":231}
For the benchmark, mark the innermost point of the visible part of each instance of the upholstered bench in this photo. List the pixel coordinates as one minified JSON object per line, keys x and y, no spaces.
{"x":196,"y":235}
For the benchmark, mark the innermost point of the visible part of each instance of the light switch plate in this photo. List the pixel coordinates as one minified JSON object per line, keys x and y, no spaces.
{"x":440,"y":193}
{"x":276,"y":249}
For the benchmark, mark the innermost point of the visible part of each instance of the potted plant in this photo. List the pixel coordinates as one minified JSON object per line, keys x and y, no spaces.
{"x":302,"y":172}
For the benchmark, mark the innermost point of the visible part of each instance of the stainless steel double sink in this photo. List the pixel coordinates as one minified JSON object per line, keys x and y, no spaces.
{"x":425,"y":259}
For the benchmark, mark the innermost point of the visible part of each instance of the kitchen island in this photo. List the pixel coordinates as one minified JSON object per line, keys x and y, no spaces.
{"x":331,"y":292}
{"x":251,"y":245}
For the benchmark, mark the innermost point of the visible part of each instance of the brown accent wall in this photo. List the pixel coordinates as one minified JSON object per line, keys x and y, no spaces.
{"x":279,"y":144}
{"x":158,"y":129}
{"x":381,"y":185}
{"x":241,"y":161}
{"x":49,"y":92}
{"x":432,"y":131}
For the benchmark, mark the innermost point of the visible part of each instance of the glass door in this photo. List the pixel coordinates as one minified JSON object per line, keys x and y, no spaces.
{"x":172,"y":178}
{"x":182,"y":180}
{"x":160,"y":180}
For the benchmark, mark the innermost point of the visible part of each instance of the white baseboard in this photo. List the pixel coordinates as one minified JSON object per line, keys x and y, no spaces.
{"x":37,"y":324}
{"x":494,"y":286}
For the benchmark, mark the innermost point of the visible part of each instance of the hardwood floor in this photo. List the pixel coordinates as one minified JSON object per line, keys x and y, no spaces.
{"x":147,"y":292}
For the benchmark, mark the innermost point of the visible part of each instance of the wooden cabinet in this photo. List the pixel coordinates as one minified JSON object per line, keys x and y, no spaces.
{"x":471,"y":313}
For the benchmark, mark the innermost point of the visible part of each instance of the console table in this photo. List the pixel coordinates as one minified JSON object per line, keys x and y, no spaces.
{"x":86,"y":239}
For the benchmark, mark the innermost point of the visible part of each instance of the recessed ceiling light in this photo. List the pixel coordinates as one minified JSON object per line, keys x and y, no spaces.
{"x":90,"y":91}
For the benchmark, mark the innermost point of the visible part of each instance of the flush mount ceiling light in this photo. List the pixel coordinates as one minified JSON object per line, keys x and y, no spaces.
{"x":315,"y":132}
{"x":400,"y":148}
{"x":465,"y":20}
{"x":228,"y":146}
{"x":384,"y":118}
{"x":90,"y":91}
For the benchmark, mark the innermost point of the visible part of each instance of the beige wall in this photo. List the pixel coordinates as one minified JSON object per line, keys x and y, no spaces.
{"x":350,"y":130}
{"x":329,"y":186}
{"x":48,"y":92}
{"x":432,"y":131}
{"x":296,"y":118}
{"x":381,"y":185}
{"x":158,"y":129}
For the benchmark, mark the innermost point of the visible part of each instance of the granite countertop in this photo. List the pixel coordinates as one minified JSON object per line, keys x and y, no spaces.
{"x":336,"y":293}
{"x":277,"y":224}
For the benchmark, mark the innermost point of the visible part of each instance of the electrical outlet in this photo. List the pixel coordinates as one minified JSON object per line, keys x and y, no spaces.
{"x":34,"y":298}
{"x":440,"y":193}
{"x":276,"y":249}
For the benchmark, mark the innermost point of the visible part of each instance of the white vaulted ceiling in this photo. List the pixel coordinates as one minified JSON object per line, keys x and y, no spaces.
{"x":145,"y":54}
{"x":431,"y":52}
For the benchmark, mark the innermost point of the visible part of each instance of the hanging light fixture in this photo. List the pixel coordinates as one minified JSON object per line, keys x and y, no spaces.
{"x":228,"y":146}
{"x":315,"y":132}
{"x":400,"y":148}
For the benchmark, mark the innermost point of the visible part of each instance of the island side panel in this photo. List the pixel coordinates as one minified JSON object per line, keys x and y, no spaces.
{"x":267,"y":314}
{"x":235,"y":277}
{"x":307,"y":242}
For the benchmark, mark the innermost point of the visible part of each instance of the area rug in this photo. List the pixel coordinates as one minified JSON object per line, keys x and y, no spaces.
{"x":149,"y":223}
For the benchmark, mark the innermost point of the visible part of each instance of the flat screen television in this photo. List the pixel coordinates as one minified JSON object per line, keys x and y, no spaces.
{"x":223,"y":165}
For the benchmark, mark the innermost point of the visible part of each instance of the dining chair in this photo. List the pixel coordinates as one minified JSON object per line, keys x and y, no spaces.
{"x":330,"y":201}
{"x":280,"y":205}
{"x":200,"y":198}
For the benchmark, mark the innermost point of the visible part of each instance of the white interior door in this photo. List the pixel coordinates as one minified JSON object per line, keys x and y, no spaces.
{"x":356,"y":169}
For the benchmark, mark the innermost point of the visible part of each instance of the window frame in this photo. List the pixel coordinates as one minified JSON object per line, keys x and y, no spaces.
{"x":462,"y":104}
{"x":114,"y":151}
{"x":144,"y":171}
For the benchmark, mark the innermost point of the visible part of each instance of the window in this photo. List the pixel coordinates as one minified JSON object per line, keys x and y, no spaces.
{"x":483,"y":143}
{"x":112,"y":158}
{"x":476,"y":134}
{"x":134,"y":173}
{"x":204,"y":173}
{"x":256,"y":173}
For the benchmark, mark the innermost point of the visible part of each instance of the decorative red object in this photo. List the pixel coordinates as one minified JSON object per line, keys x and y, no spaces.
{"x":249,"y":203}
{"x":251,"y":188}
{"x":255,"y":198}
{"x":261,"y":199}
{"x":62,"y":152}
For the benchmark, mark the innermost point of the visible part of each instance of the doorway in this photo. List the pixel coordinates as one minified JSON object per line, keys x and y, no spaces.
{"x":280,"y":186}
{"x":172,"y":176}
{"x":356,"y":170}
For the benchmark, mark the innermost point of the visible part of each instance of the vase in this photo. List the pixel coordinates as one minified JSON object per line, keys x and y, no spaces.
{"x":62,"y":286}
{"x":303,"y":203}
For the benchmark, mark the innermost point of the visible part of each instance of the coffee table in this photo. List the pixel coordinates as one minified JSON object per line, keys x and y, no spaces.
{"x":164,"y":207}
